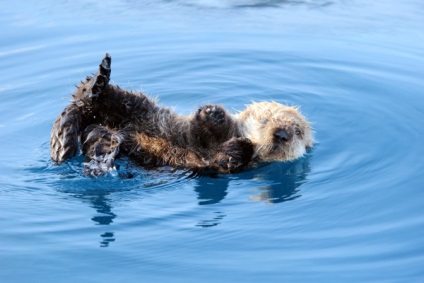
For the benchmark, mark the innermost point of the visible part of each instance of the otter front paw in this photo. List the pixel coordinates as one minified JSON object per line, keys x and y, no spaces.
{"x":211,"y":114}
{"x":101,"y":146}
{"x":227,"y":164}
{"x":233,"y":155}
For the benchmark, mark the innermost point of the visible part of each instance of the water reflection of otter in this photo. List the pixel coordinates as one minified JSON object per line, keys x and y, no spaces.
{"x":99,"y":201}
{"x":286,"y":178}
{"x":282,"y":182}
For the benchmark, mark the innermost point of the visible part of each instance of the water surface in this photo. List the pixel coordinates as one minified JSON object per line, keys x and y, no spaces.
{"x":350,"y":210}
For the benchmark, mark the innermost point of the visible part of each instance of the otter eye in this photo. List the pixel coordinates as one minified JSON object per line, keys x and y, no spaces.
{"x":298,"y":132}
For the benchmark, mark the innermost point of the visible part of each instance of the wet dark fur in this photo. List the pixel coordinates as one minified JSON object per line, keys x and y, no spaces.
{"x":110,"y":121}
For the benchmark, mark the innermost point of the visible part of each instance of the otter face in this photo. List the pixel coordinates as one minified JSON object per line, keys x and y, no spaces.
{"x":278,"y":132}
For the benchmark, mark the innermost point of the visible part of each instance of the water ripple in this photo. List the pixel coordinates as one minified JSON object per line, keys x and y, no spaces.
{"x":350,"y":210}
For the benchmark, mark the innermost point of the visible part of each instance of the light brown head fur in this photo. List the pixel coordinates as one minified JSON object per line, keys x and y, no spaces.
{"x":278,"y":132}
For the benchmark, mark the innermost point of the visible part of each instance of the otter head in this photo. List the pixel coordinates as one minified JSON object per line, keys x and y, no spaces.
{"x":278,"y":132}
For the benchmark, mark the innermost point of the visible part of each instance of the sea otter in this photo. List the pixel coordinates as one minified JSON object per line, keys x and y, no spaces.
{"x":108,"y":121}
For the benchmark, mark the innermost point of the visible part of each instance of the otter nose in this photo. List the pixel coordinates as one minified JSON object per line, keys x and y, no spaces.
{"x":281,"y":135}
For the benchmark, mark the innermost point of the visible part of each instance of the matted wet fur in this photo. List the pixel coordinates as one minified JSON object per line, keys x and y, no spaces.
{"x":109,"y":121}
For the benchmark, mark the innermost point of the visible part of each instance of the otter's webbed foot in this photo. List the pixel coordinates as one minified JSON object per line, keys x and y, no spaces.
{"x":101,"y":147}
{"x":233,"y":155}
{"x":92,"y":88}
{"x":100,"y":79}
{"x":64,"y":134}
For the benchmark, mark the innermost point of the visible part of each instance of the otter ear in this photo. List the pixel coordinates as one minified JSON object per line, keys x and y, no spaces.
{"x":281,"y":135}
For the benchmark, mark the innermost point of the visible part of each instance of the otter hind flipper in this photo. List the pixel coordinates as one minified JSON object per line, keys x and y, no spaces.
{"x":64,"y":134}
{"x":101,"y":78}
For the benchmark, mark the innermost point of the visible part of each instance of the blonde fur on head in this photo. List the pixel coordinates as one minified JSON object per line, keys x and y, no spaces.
{"x":278,"y":132}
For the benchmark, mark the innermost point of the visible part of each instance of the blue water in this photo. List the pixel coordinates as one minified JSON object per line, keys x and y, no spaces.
{"x":351,"y":210}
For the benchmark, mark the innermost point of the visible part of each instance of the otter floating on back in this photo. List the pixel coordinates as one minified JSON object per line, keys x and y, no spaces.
{"x":110,"y":121}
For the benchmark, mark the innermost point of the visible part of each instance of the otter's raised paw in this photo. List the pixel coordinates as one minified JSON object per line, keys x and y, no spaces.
{"x":212,"y":114}
{"x":233,"y":155}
